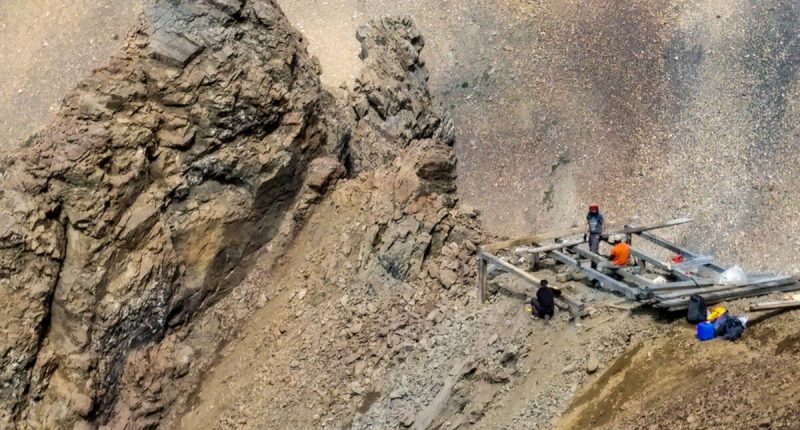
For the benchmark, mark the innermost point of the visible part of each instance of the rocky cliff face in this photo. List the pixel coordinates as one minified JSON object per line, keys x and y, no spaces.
{"x":148,"y":197}
{"x":165,"y":173}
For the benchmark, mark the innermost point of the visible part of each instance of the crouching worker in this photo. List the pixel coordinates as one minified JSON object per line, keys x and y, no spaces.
{"x":543,"y":305}
{"x":620,"y":254}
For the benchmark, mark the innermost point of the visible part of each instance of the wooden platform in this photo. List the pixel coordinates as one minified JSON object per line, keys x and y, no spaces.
{"x":697,"y":274}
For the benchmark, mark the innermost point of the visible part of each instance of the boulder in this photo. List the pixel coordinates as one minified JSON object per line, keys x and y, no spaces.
{"x":592,"y":364}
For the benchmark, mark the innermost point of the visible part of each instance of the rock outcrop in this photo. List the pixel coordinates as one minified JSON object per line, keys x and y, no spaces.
{"x":391,"y":100}
{"x":148,"y":198}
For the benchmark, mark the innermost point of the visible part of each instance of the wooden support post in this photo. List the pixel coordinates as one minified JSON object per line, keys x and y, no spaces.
{"x":482,"y":278}
{"x":534,"y":261}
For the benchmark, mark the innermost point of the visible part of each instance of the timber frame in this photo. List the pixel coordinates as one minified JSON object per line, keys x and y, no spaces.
{"x":697,"y":274}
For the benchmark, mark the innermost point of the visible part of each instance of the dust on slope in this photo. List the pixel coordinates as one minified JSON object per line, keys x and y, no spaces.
{"x":335,"y":323}
{"x":655,"y":108}
{"x":678,"y":382}
{"x":47,"y":47}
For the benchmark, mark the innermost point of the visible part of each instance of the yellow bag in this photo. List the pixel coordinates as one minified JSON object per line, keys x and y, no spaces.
{"x":715,"y":313}
{"x":528,"y":309}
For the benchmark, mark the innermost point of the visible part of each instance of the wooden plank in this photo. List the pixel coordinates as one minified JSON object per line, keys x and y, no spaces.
{"x":776,"y":281}
{"x":710,"y":298}
{"x":603,"y":263}
{"x":681,"y":305}
{"x":611,"y":283}
{"x":641,"y":283}
{"x":683,"y":285}
{"x":508,"y":267}
{"x":639,"y":280}
{"x":624,"y":271}
{"x":635,"y":230}
{"x":694,"y":262}
{"x":497,"y":261}
{"x":678,"y":249}
{"x":643,"y":256}
{"x":537,"y":238}
{"x":613,"y":230}
{"x":550,"y":247}
{"x":768,"y":306}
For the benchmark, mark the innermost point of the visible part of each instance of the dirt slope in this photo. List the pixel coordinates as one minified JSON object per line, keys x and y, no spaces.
{"x":678,"y":382}
{"x":653,"y":108}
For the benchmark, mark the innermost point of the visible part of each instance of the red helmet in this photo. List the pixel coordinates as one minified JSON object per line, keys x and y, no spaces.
{"x":593,"y":206}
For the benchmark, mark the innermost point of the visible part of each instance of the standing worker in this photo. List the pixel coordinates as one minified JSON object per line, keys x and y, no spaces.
{"x":595,"y":222}
{"x":544,"y":305}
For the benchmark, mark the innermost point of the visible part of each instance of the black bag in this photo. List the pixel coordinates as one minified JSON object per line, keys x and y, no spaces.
{"x":733,"y":329}
{"x":697,"y":310}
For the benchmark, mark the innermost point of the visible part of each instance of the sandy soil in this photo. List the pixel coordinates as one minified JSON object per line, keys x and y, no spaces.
{"x":46,"y":48}
{"x":679,"y":382}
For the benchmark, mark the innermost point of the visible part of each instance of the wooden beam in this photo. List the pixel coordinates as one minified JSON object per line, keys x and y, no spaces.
{"x":613,"y":230}
{"x":639,"y":280}
{"x":711,"y":298}
{"x":641,"y":255}
{"x":611,"y":283}
{"x":683,"y":285}
{"x":776,"y":281}
{"x":537,"y":238}
{"x":678,"y":249}
{"x":627,"y":275}
{"x":681,"y":305}
{"x":694,"y":262}
{"x":546,"y":248}
{"x":671,"y":223}
{"x":768,"y":306}
{"x":508,"y":267}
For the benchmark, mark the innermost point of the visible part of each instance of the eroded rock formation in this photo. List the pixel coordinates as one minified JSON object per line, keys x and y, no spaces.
{"x":148,"y":197}
{"x":164,"y":174}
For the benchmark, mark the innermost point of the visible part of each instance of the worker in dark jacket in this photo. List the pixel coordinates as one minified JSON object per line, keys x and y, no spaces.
{"x":543,"y":305}
{"x":595,"y":223}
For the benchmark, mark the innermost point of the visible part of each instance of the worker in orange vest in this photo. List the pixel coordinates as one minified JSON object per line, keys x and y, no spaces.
{"x":620,"y":254}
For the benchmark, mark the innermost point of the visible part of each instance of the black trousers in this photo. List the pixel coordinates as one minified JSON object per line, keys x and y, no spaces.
{"x":539,"y":310}
{"x":594,"y":242}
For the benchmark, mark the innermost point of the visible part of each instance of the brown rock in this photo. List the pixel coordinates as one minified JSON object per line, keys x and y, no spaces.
{"x":592,"y":364}
{"x":448,"y":277}
{"x":322,"y":171}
